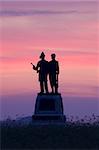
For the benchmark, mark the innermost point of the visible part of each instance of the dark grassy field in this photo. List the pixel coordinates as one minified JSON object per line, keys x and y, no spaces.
{"x":68,"y":136}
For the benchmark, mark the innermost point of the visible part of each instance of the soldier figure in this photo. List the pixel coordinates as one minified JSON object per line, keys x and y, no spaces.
{"x":53,"y":74}
{"x":42,"y":69}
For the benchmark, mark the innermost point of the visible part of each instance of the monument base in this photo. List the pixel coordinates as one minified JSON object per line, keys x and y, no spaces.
{"x":49,"y":107}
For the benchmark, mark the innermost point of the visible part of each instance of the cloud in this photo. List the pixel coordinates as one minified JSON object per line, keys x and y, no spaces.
{"x":29,"y":13}
{"x":38,"y":12}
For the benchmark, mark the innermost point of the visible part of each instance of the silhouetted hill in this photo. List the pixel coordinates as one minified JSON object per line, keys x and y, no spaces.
{"x":23,"y":134}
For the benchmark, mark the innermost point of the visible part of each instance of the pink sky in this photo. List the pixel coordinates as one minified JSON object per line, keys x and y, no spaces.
{"x":68,"y":29}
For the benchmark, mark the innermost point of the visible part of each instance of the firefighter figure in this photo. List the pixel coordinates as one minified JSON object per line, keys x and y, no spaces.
{"x":42,"y":70}
{"x":53,"y":73}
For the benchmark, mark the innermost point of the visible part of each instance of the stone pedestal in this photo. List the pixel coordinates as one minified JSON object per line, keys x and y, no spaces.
{"x":49,"y":107}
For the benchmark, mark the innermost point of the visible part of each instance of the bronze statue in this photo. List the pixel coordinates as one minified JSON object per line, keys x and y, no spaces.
{"x":42,"y":69}
{"x":53,"y":73}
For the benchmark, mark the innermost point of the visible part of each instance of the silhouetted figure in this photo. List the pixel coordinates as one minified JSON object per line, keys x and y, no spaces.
{"x":42,"y":69}
{"x":53,"y":73}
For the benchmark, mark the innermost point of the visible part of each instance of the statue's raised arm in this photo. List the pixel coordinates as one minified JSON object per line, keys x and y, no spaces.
{"x":36,"y":68}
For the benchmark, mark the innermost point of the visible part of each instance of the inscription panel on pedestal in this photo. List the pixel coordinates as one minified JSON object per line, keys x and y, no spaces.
{"x":46,"y":105}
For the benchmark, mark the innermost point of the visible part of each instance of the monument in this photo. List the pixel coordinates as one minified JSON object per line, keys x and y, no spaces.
{"x":48,"y":106}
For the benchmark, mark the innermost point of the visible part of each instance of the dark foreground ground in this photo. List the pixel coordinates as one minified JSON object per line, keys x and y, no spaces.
{"x":68,"y":136}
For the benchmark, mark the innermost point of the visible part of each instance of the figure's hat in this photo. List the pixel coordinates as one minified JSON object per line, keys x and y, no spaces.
{"x":42,"y":55}
{"x":53,"y":55}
